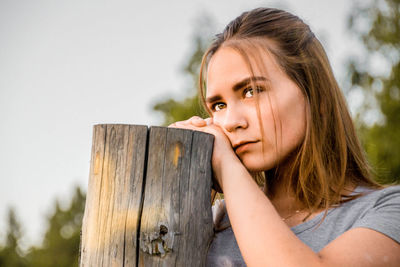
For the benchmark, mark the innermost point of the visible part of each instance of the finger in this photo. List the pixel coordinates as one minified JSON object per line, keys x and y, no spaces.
{"x":197,"y":121}
{"x":178,"y":124}
{"x":184,"y":125}
{"x":194,"y":118}
{"x":209,"y":121}
{"x":181,"y":124}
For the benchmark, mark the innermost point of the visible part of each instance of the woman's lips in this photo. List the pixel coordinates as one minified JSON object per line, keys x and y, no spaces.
{"x":244,"y":146}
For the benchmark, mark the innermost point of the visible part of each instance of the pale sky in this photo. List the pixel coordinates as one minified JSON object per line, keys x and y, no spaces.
{"x":67,"y":65}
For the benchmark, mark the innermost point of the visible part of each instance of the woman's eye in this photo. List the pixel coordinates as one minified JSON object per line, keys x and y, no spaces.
{"x":218,"y":106}
{"x":249,"y":92}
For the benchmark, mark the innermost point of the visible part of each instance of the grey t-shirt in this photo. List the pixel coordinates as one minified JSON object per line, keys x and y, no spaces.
{"x":377,"y":209}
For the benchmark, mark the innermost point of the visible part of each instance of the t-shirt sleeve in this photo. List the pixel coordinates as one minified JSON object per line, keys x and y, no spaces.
{"x":384,"y":216}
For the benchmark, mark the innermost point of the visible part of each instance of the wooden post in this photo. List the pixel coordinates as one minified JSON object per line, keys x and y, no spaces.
{"x":148,"y":200}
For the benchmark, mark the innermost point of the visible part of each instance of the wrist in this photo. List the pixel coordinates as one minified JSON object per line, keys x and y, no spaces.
{"x":222,"y":166}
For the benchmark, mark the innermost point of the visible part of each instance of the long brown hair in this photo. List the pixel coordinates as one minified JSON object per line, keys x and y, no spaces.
{"x":330,"y":157}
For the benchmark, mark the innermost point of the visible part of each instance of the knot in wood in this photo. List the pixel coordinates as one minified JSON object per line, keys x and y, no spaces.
{"x":157,"y":243}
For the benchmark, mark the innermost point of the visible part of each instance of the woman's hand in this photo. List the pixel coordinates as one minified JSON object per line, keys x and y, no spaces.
{"x":223,"y":154}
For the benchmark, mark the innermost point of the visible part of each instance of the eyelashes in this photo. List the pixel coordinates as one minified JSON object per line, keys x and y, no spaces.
{"x":217,"y":106}
{"x":247,"y":92}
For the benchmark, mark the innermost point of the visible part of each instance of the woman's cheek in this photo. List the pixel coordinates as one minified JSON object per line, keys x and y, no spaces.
{"x":251,"y":163}
{"x":217,"y":119}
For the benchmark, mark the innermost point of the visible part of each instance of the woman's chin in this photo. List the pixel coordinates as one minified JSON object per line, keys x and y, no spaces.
{"x":253,"y":163}
{"x":252,"y":166}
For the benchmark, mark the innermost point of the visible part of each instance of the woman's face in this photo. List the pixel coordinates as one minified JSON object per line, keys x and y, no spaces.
{"x":233,"y":103}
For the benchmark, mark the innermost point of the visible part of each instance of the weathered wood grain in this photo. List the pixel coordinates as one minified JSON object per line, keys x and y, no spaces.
{"x":176,"y":225}
{"x":196,"y":218}
{"x":148,"y":200}
{"x":114,"y":196}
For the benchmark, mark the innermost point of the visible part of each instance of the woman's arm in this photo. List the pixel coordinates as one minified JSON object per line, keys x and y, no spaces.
{"x":264,"y":239}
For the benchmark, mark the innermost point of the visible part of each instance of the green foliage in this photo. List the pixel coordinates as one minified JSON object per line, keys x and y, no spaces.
{"x":60,"y":245}
{"x":181,"y":109}
{"x":381,"y":139}
{"x":10,"y":254}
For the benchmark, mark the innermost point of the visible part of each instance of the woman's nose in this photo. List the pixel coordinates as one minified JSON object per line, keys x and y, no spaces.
{"x":234,"y":119}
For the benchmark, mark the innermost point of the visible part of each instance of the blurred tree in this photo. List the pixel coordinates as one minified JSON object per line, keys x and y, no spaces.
{"x":10,"y":254}
{"x":60,"y":246}
{"x":378,"y":26}
{"x":181,"y":109}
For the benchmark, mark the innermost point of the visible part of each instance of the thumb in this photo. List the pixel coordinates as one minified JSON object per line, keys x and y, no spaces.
{"x":209,"y":121}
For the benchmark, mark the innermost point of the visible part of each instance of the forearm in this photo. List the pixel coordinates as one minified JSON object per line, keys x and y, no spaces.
{"x":263,"y":238}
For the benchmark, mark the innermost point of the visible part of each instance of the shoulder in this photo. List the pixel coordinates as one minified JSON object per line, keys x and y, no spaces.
{"x":370,"y":202}
{"x":383,"y":211}
{"x":373,"y":232}
{"x":390,"y":193}
{"x":377,"y":197}
{"x":376,"y":209}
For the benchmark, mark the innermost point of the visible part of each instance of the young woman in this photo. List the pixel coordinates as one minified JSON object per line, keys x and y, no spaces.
{"x":297,"y":187}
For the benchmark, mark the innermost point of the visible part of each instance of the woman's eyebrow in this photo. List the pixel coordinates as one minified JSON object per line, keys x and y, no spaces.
{"x":213,"y":99}
{"x":247,"y":81}
{"x":238,"y":86}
